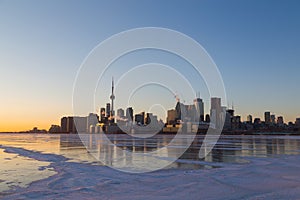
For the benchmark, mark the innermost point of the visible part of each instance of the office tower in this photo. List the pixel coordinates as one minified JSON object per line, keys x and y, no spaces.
{"x":207,"y":118}
{"x":257,"y":121}
{"x":129,"y":114}
{"x":297,"y":122}
{"x":171,"y":116}
{"x":199,"y":109}
{"x":280,"y":121}
{"x":148,"y":117}
{"x":191,"y":113}
{"x":228,"y":121}
{"x":273,"y":119}
{"x":178,"y":111}
{"x":112,"y":98}
{"x":181,"y":111}
{"x":70,"y":125}
{"x":267,"y":118}
{"x":231,"y":112}
{"x":216,"y":112}
{"x":64,"y":124}
{"x":120,"y":113}
{"x":80,"y":124}
{"x":249,"y":119}
{"x":102,"y":115}
{"x":236,"y":122}
{"x":92,"y":120}
{"x":108,"y":110}
{"x":143,"y":118}
{"x":139,"y":119}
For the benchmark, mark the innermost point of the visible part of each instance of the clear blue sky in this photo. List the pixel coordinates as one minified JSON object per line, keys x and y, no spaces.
{"x":255,"y":45}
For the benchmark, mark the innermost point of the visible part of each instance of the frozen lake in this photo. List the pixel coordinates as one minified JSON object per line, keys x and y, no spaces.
{"x":60,"y":167}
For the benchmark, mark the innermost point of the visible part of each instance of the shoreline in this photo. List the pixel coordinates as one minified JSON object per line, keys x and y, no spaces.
{"x":234,"y":133}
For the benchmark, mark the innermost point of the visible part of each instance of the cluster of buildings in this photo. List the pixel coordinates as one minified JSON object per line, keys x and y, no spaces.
{"x":107,"y":120}
{"x":270,"y":123}
{"x":191,"y":117}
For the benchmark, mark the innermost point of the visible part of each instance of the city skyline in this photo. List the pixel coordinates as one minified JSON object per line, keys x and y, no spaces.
{"x":196,"y":113}
{"x":254,"y":44}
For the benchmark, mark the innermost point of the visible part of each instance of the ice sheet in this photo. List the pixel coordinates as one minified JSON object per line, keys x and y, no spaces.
{"x":261,"y":178}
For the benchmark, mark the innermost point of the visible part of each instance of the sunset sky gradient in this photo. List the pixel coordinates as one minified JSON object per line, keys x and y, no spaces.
{"x":255,"y":44}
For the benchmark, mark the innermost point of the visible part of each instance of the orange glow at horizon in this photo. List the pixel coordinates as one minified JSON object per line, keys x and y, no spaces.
{"x":16,"y":123}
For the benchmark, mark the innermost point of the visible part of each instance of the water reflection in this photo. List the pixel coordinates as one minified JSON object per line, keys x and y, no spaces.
{"x":229,"y":149}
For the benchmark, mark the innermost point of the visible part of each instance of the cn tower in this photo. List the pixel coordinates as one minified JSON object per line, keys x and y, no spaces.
{"x":112,"y":98}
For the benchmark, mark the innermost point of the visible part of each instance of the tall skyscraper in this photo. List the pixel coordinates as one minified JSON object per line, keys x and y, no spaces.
{"x":229,"y":118}
{"x":112,"y":98}
{"x":102,"y":115}
{"x":108,"y":110}
{"x":273,"y":119}
{"x":80,"y":124}
{"x":171,"y":117}
{"x":249,"y":119}
{"x":181,"y":111}
{"x":129,"y":114}
{"x":207,"y":118}
{"x":231,"y":112}
{"x":280,"y":121}
{"x":139,"y":119}
{"x":268,"y":118}
{"x":64,"y":124}
{"x":92,"y":120}
{"x":148,"y":117}
{"x":216,"y":112}
{"x":199,"y":107}
{"x":120,"y":113}
{"x":71,"y":125}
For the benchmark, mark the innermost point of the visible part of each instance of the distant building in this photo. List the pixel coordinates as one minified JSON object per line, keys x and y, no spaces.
{"x":216,"y":112}
{"x":199,"y":109}
{"x":139,"y":119}
{"x":54,"y":129}
{"x":267,"y":118}
{"x":64,"y":124}
{"x":297,"y":123}
{"x":207,"y":118}
{"x":80,"y":124}
{"x":120,"y":113}
{"x":273,"y":119}
{"x":280,"y":121}
{"x":71,"y":125}
{"x":92,"y":120}
{"x":191,"y":113}
{"x":102,"y":115}
{"x":143,"y":118}
{"x":129,"y":114}
{"x":108,"y":110}
{"x":112,"y":98}
{"x":249,"y":119}
{"x":171,"y":117}
{"x":148,"y":118}
{"x":228,"y":121}
{"x":180,"y":111}
{"x":230,"y":112}
{"x":236,"y":122}
{"x":257,"y":123}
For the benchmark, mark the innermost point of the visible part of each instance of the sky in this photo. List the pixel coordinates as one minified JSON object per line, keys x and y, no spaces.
{"x":255,"y":45}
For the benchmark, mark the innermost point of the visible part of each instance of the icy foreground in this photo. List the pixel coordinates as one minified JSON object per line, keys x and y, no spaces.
{"x":262,"y":178}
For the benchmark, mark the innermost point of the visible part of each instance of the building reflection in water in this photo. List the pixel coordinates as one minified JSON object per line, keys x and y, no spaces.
{"x":229,"y":149}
